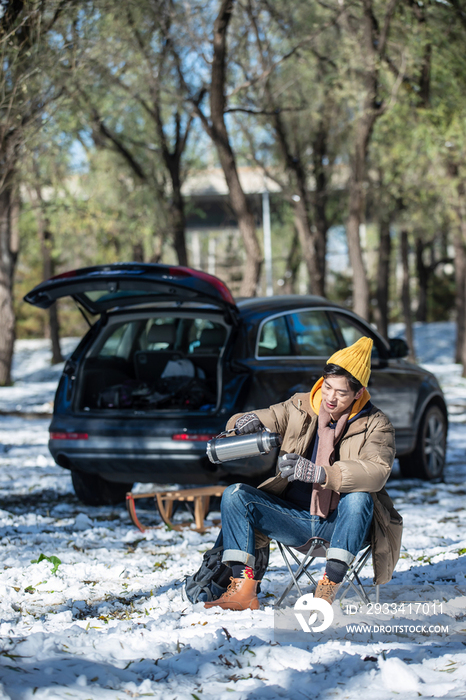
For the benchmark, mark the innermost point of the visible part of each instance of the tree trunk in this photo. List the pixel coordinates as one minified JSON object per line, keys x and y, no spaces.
{"x":8,"y":256}
{"x":138,"y":252}
{"x":360,"y":283}
{"x":308,"y":247}
{"x":157,"y":254}
{"x":361,"y":296}
{"x":423,"y":276}
{"x":320,"y":198}
{"x":383,"y":277}
{"x":48,"y":270}
{"x":313,"y":238}
{"x":405,"y":293}
{"x":459,"y":242}
{"x":55,"y":335}
{"x":219,"y":134}
{"x":460,"y":294}
{"x":177,"y":216}
{"x":293,"y":262}
{"x":374,"y":40}
{"x":172,"y":160}
{"x":460,"y":273}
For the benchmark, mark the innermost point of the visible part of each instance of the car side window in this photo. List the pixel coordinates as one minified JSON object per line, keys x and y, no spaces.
{"x":351,"y":333}
{"x":313,"y":334}
{"x":274,"y":340}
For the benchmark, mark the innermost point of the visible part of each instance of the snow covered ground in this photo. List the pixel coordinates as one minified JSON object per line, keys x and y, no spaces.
{"x":103,"y":616}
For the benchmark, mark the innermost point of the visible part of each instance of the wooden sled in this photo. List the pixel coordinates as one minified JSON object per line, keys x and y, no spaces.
{"x":165,"y":499}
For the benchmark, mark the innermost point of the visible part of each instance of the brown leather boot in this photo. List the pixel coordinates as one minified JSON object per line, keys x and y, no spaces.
{"x":326,"y":589}
{"x":240,"y":595}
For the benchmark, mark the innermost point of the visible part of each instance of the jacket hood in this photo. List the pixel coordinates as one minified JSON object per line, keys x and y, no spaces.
{"x":315,"y":399}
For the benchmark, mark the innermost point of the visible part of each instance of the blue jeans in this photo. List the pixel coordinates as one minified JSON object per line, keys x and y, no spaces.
{"x":244,"y":508}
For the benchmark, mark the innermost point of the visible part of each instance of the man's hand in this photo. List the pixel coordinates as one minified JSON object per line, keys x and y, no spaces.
{"x":296,"y":468}
{"x":249,"y":423}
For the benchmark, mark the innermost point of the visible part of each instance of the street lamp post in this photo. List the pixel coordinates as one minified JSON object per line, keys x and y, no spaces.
{"x":267,"y":244}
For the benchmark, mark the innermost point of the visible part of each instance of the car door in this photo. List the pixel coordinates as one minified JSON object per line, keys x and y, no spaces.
{"x":394,"y":386}
{"x":290,"y":353}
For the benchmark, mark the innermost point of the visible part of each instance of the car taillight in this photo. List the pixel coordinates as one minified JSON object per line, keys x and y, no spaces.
{"x":69,"y":436}
{"x":192,"y":437}
{"x":210,"y":279}
{"x":64,"y":275}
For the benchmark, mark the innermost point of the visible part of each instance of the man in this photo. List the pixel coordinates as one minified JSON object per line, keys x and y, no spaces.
{"x":336,"y":456}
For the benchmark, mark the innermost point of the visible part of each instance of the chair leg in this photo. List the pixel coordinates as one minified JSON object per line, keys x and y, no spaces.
{"x":303,"y":564}
{"x":351,"y":580}
{"x":358,"y":589}
{"x":302,"y":568}
{"x":352,"y":575}
{"x":293,"y":581}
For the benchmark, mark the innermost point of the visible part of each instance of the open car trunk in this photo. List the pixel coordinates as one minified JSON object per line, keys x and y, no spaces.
{"x":155,"y":361}
{"x":158,"y":347}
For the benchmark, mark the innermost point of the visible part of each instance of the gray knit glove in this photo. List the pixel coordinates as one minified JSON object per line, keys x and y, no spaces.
{"x":296,"y":468}
{"x":249,"y":423}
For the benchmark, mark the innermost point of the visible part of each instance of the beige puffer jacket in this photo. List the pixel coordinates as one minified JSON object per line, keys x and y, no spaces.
{"x":364,"y":460}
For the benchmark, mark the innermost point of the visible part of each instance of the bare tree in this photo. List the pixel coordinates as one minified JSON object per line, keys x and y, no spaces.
{"x":373,"y":36}
{"x":139,"y":39}
{"x":46,"y":240}
{"x":459,"y":245}
{"x":308,"y":207}
{"x":25,"y":98}
{"x":292,"y":263}
{"x":406,"y":292}
{"x":290,"y":93}
{"x":383,"y":275}
{"x":217,"y":130}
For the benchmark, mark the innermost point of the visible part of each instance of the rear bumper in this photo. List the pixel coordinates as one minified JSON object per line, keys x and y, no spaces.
{"x":153,"y":460}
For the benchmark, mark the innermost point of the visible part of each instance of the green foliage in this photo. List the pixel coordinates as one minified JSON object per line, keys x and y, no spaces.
{"x":341,"y":289}
{"x":55,"y":561}
{"x":111,"y":65}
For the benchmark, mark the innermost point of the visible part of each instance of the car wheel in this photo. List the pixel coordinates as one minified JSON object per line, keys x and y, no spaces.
{"x":428,"y":459}
{"x":92,"y":490}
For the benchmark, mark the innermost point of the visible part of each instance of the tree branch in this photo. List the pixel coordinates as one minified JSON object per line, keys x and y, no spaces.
{"x":265,"y":112}
{"x":386,"y":26}
{"x":266,"y":73}
{"x":119,"y":146}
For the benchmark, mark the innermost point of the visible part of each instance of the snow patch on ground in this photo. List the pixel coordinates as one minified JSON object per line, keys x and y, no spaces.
{"x":101,"y":614}
{"x":35,"y":379}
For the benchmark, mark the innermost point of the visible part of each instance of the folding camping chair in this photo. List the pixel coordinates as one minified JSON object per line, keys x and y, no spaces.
{"x":317,"y":548}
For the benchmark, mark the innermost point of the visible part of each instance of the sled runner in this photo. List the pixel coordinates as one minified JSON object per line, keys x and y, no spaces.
{"x":200,"y":497}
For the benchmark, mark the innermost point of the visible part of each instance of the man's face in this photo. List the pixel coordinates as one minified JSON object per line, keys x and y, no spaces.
{"x":337,"y":395}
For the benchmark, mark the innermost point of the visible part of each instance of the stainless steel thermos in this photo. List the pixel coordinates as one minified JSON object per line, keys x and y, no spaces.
{"x":223,"y":449}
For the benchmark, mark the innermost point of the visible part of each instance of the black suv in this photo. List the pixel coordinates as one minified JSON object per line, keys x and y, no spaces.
{"x":172,"y":355}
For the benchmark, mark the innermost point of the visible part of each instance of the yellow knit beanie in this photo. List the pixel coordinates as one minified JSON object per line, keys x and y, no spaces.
{"x":356,"y":359}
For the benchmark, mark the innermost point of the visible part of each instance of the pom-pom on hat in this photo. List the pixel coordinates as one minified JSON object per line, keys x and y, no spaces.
{"x":356,"y":359}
